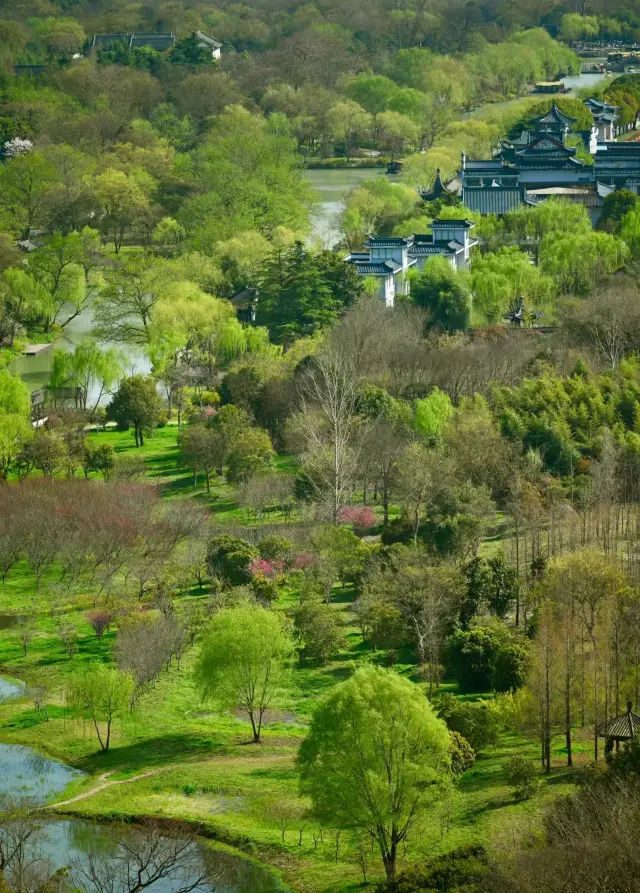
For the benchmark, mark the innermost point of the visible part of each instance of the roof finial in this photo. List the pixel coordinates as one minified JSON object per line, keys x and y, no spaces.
{"x":629,"y":706}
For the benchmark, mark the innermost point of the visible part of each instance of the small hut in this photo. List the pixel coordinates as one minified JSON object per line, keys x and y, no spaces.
{"x":622,"y":728}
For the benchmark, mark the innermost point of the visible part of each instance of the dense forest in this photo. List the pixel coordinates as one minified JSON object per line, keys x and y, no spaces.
{"x":300,"y":591}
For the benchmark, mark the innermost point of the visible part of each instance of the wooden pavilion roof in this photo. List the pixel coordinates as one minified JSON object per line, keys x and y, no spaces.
{"x":622,"y":728}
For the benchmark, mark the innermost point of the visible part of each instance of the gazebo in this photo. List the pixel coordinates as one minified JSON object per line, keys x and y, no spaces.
{"x":622,"y":728}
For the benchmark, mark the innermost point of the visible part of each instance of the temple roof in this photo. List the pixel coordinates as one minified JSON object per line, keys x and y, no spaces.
{"x":388,"y":241}
{"x":493,"y":199}
{"x":437,"y":190}
{"x":461,"y":223}
{"x":555,"y":116}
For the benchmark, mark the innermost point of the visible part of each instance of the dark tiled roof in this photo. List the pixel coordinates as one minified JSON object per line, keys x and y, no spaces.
{"x":467,"y":224}
{"x":493,"y":199}
{"x":209,"y":41}
{"x":383,"y":268}
{"x":555,"y":116}
{"x":622,"y":727}
{"x":425,"y":250}
{"x":382,"y":241}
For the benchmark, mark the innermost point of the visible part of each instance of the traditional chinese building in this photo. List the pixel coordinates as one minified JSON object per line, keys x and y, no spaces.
{"x":539,"y":164}
{"x":387,"y":260}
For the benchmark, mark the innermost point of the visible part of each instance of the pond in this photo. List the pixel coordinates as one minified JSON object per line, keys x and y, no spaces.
{"x":25,"y":774}
{"x":10,"y":688}
{"x":7,"y":621}
{"x":331,"y":186}
{"x":69,"y":840}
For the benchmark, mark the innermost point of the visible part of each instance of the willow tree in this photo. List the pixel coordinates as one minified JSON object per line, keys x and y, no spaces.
{"x":376,"y":757}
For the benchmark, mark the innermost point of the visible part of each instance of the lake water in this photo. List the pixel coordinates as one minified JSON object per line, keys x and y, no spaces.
{"x":10,"y":688}
{"x":332,"y":185}
{"x":25,"y":774}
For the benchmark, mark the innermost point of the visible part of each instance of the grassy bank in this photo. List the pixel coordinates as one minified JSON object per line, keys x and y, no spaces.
{"x":178,"y":758}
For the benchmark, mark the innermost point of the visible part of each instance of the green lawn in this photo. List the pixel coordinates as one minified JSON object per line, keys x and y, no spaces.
{"x":198,"y":765}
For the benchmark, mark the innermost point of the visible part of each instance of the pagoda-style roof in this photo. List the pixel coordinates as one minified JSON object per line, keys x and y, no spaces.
{"x":545,"y":142}
{"x":374,"y":241}
{"x":623,"y":728}
{"x":437,"y":190}
{"x":554,"y":118}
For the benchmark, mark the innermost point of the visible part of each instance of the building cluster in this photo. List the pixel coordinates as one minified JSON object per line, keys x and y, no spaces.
{"x":159,"y":42}
{"x":387,"y":260}
{"x":540,"y":164}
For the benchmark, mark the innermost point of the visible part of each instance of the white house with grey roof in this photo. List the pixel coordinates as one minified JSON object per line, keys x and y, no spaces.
{"x":388,"y":259}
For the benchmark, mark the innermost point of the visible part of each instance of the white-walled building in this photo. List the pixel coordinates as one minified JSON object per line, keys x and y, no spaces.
{"x":388,"y":259}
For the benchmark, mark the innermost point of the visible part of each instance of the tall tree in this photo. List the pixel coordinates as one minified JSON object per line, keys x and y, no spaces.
{"x":375,"y":757}
{"x":243,"y":660}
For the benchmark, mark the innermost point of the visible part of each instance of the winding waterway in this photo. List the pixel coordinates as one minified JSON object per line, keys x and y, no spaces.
{"x":331,"y":185}
{"x":26,"y":774}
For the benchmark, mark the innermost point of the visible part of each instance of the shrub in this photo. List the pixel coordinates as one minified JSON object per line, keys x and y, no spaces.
{"x":471,"y":657}
{"x":264,"y":588}
{"x":320,"y":630}
{"x":463,"y":869}
{"x":361,"y":516}
{"x":100,"y":620}
{"x":229,"y":557}
{"x":274,"y":547}
{"x":261,"y":567}
{"x":480,"y":722}
{"x":522,"y":776}
{"x":511,"y":665}
{"x":462,"y":754}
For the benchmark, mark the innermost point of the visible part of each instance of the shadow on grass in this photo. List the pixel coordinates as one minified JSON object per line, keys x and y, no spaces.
{"x":150,"y":753}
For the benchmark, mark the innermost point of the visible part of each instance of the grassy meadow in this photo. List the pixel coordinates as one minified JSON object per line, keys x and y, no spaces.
{"x":175,"y":757}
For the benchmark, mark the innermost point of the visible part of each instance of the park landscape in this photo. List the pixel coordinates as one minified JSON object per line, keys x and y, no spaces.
{"x":307,"y":585}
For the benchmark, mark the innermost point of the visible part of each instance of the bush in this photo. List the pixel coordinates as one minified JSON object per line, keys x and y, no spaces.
{"x":522,"y":776}
{"x":462,"y":870}
{"x":264,"y":589}
{"x":480,"y":722}
{"x":471,"y":657}
{"x":487,"y":658}
{"x":462,"y":754}
{"x":278,"y":548}
{"x":320,"y":630}
{"x":229,"y":557}
{"x":511,"y":665}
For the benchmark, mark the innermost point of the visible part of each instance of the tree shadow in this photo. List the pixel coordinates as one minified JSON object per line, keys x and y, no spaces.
{"x":150,"y":753}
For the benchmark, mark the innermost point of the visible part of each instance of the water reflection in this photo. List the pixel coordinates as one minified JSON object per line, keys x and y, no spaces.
{"x":26,"y":774}
{"x":70,"y":842}
{"x":10,"y":688}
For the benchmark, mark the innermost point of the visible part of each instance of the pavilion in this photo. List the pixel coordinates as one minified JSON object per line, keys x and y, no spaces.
{"x":622,"y":728}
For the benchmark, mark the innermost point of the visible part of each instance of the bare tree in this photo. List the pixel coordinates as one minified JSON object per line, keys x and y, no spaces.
{"x":143,"y":855}
{"x":24,"y":867}
{"x":326,"y":432}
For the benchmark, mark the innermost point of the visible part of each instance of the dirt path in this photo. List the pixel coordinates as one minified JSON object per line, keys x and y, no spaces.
{"x":103,"y":784}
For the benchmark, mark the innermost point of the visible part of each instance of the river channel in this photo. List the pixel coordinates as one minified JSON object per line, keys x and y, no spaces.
{"x":25,"y":774}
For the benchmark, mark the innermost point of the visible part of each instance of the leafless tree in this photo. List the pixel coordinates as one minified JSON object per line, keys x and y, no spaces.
{"x":326,"y":432}
{"x":24,"y":867}
{"x":140,"y":856}
{"x":609,"y":323}
{"x":26,"y":631}
{"x":68,"y":634}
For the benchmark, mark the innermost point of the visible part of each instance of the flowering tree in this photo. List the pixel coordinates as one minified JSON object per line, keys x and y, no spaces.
{"x":361,"y":516}
{"x":17,"y":146}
